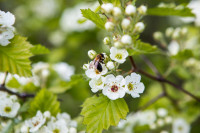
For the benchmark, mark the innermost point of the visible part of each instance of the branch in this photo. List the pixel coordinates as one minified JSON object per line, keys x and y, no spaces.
{"x":160,"y":79}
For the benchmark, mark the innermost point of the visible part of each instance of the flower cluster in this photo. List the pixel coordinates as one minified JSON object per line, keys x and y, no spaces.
{"x":8,"y":105}
{"x":6,"y":29}
{"x":154,"y":120}
{"x":45,"y":123}
{"x":113,"y":87}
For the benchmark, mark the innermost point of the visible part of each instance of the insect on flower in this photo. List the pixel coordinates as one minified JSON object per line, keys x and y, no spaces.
{"x":96,"y":63}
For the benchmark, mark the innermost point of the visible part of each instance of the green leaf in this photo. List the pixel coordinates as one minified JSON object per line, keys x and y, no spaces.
{"x":39,"y":49}
{"x":165,"y":11}
{"x":114,"y":2}
{"x":142,"y":48}
{"x":13,"y":83}
{"x":100,"y":113}
{"x":94,"y":17}
{"x":43,"y":101}
{"x":14,"y":58}
{"x":183,"y":55}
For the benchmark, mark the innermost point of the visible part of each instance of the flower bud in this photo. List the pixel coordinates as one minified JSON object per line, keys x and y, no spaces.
{"x":106,"y":40}
{"x":142,"y":10}
{"x":160,"y":122}
{"x":117,"y":11}
{"x":152,"y":126}
{"x":176,"y":33}
{"x":169,"y":31}
{"x":47,"y":114}
{"x":109,"y":26}
{"x":126,"y":39}
{"x":118,"y":44}
{"x":110,"y":65}
{"x":184,"y":31}
{"x":157,"y":35}
{"x":85,"y":66}
{"x":139,"y":27}
{"x":92,"y":54}
{"x":130,"y":10}
{"x":107,"y":8}
{"x":24,"y":129}
{"x":168,"y":119}
{"x":125,"y":23}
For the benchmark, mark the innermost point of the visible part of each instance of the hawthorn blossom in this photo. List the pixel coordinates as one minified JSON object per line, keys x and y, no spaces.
{"x":6,"y":34}
{"x":6,"y":19}
{"x":8,"y":107}
{"x":118,"y":55}
{"x":58,"y":126}
{"x":35,"y":122}
{"x":92,"y":72}
{"x":162,"y":112}
{"x":180,"y":126}
{"x":113,"y":88}
{"x":96,"y":84}
{"x":133,"y":85}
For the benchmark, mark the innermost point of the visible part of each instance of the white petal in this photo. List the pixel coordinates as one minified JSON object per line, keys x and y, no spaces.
{"x":135,"y":95}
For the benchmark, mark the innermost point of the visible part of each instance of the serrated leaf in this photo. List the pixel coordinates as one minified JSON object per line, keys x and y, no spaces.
{"x":43,"y":101}
{"x":142,"y":48}
{"x":164,"y":11}
{"x":100,"y":113}
{"x":183,"y":55}
{"x":14,"y":58}
{"x":94,"y":17}
{"x":39,"y":49}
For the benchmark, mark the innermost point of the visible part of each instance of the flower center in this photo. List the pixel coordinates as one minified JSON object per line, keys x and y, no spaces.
{"x":114,"y":88}
{"x":56,"y":131}
{"x":130,"y":86}
{"x":7,"y":109}
{"x":118,"y":56}
{"x":99,"y":82}
{"x":180,"y":128}
{"x":36,"y":123}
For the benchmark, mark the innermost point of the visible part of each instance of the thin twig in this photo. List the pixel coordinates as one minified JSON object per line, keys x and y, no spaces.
{"x":160,"y":79}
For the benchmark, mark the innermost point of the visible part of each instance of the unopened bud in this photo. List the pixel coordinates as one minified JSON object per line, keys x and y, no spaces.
{"x":106,"y":40}
{"x":157,"y":36}
{"x":85,"y":66}
{"x":47,"y":114}
{"x":117,"y":11}
{"x":118,"y":44}
{"x":139,"y":27}
{"x":169,"y":31}
{"x":160,"y":122}
{"x":184,"y":31}
{"x":126,"y":39}
{"x":92,"y":54}
{"x":125,"y":23}
{"x":176,"y":33}
{"x":130,"y":10}
{"x":168,"y":119}
{"x":107,"y":8}
{"x":109,"y":26}
{"x":142,"y":10}
{"x":110,"y":65}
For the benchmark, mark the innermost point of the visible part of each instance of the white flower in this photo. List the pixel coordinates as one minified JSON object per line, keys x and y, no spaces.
{"x":94,"y":73}
{"x":109,"y":26}
{"x":6,"y":19}
{"x":114,"y":87}
{"x":117,"y":11}
{"x":139,"y":27}
{"x":130,"y":10}
{"x":147,"y":117}
{"x":125,"y":23}
{"x":39,"y":67}
{"x":168,"y":119}
{"x":67,"y":118}
{"x":96,"y":84}
{"x":110,"y":65}
{"x":176,"y":34}
{"x":162,"y":112}
{"x":157,"y":35}
{"x":126,"y":39}
{"x":72,"y":130}
{"x":6,"y":34}
{"x":107,"y":8}
{"x":47,"y":114}
{"x":35,"y":122}
{"x":118,"y":55}
{"x":92,"y":54}
{"x":169,"y":31}
{"x":133,"y":85}
{"x":64,"y":70}
{"x":59,"y":126}
{"x":180,"y":126}
{"x":8,"y":108}
{"x":173,"y":47}
{"x":152,"y":126}
{"x":142,"y":9}
{"x":164,"y":131}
